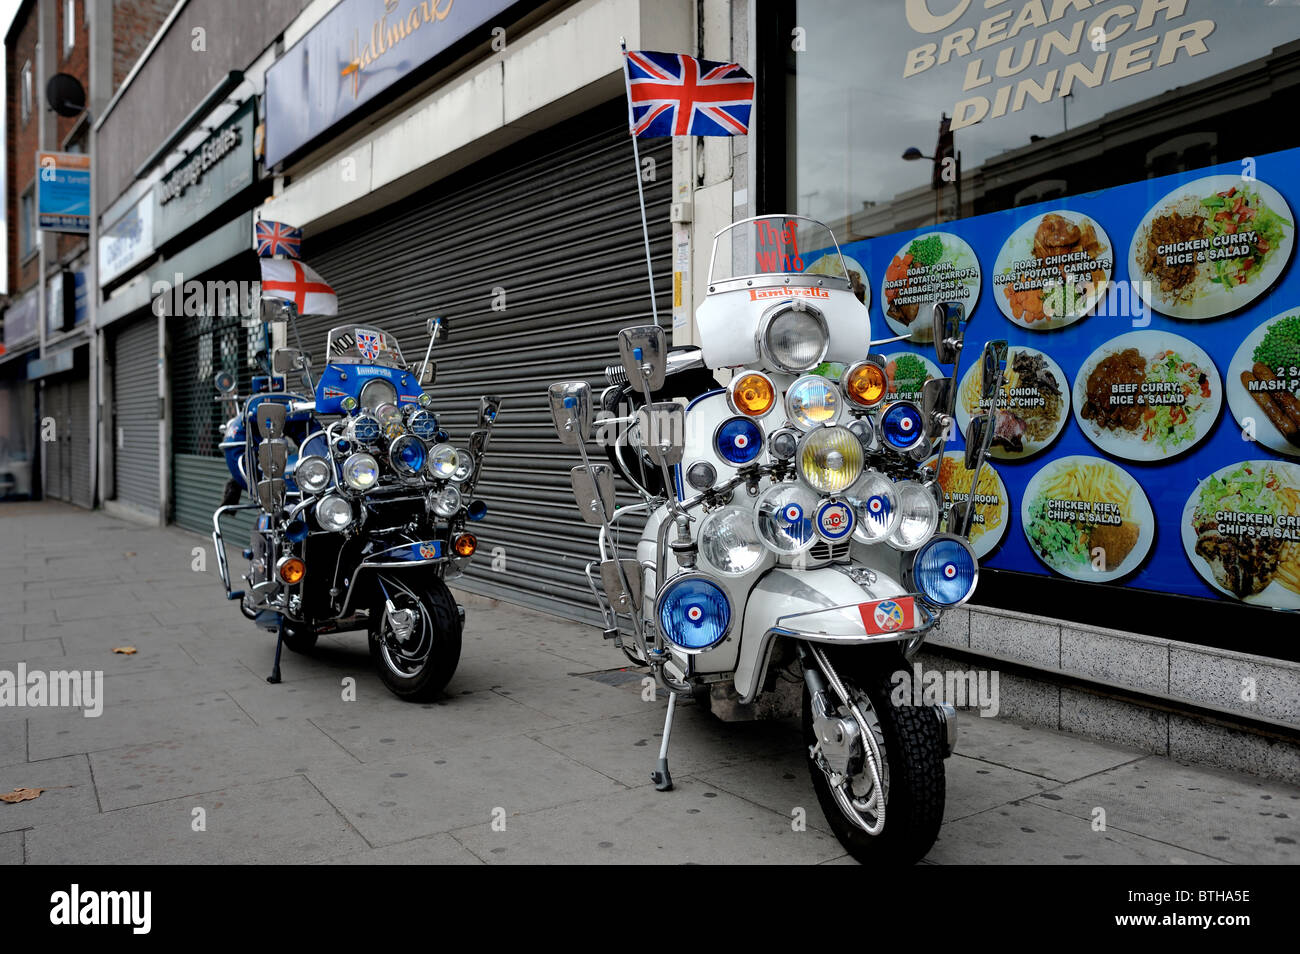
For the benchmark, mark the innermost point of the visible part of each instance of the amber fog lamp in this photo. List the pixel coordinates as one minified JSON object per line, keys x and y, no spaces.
{"x":466,"y":544}
{"x":751,"y":394}
{"x":291,"y":570}
{"x":865,"y":384}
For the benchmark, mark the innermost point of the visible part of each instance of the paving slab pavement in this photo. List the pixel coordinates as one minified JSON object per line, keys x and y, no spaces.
{"x":539,"y":753}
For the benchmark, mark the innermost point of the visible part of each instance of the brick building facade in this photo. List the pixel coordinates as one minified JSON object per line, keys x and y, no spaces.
{"x":133,"y":25}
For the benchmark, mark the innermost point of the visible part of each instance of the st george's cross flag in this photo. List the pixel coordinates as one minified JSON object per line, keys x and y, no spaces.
{"x":293,"y":281}
{"x":276,"y":238}
{"x":673,"y":94}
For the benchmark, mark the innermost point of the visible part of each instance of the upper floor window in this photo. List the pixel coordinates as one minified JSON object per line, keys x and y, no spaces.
{"x":69,"y":25}
{"x":27,"y":213}
{"x":26,"y":84}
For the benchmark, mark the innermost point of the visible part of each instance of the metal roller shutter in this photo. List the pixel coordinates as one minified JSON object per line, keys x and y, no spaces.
{"x":202,"y":345}
{"x":135,"y":415}
{"x":536,"y":257}
{"x":54,"y":406}
{"x":78,"y":449}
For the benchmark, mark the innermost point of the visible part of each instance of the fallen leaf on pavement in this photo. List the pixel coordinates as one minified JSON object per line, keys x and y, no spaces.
{"x":124,"y":650}
{"x":21,"y":795}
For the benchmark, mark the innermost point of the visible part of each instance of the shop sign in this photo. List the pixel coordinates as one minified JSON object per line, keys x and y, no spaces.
{"x":358,"y":50}
{"x":63,"y":192}
{"x":211,"y":175}
{"x":127,"y":242}
{"x":1044,"y":50}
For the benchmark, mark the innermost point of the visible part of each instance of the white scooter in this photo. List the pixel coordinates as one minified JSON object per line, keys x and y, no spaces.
{"x":791,"y":530}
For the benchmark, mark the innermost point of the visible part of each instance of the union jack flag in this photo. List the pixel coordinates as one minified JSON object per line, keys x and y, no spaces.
{"x":673,"y":94}
{"x":276,"y":238}
{"x":368,"y":344}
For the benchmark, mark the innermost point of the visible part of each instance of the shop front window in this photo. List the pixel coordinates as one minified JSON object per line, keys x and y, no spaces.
{"x":1113,"y":189}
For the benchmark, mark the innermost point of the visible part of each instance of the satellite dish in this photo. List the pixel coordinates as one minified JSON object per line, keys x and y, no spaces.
{"x":66,"y":95}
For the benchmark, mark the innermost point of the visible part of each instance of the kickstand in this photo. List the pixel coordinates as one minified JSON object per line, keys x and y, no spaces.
{"x":662,"y":778}
{"x":279,"y":641}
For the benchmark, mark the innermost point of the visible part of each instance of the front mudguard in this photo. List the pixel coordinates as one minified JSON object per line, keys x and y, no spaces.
{"x":818,"y":606}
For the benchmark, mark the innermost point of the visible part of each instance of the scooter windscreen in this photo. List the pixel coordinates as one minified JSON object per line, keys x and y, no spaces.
{"x":781,"y":296}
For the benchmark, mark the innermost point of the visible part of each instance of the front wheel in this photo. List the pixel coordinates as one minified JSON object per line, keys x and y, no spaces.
{"x":910,"y":740}
{"x":414,"y":635}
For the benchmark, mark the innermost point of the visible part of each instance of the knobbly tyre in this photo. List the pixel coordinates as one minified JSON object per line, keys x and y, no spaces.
{"x":792,"y":539}
{"x":361,"y":503}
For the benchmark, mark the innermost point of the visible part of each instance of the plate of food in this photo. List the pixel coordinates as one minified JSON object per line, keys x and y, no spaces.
{"x":907,"y":372}
{"x":992,"y":502}
{"x":1241,"y":531}
{"x":826,"y":264}
{"x":1211,"y":246}
{"x":1147,"y":395}
{"x":1052,"y":270}
{"x":1264,"y":384}
{"x":934,"y":266}
{"x":1087,"y":519}
{"x":1034,"y":407}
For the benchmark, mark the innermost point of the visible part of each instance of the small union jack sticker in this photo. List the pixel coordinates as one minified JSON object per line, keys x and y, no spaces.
{"x":368,"y":343}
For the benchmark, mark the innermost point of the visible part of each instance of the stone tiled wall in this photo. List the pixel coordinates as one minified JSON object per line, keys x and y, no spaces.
{"x":1176,"y":673}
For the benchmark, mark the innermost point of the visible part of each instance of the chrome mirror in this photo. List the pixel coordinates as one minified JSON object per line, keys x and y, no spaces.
{"x":662,"y":429}
{"x":270,"y":419}
{"x":478,"y":441}
{"x":224,"y":382}
{"x":570,"y":403}
{"x":612,"y":581}
{"x":936,"y":406}
{"x":488,"y":406}
{"x":593,"y":488}
{"x":949,"y":328}
{"x":429,"y":373}
{"x":270,"y":494}
{"x":276,"y":310}
{"x":993,"y":369}
{"x":438,"y":328}
{"x":284,"y":360}
{"x":644,"y":350}
{"x":273,"y":457}
{"x":976,"y":431}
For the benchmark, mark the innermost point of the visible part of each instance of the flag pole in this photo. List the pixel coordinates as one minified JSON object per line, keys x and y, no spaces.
{"x":640,"y":188}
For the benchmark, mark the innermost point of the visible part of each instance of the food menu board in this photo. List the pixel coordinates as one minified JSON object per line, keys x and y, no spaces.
{"x":1149,"y":432}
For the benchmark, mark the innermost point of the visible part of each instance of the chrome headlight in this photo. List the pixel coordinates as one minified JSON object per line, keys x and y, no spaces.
{"x":902,"y":426}
{"x":694,"y":613}
{"x":793,"y":337}
{"x":738,"y":441}
{"x":407,"y":454}
{"x":728,"y":541}
{"x":377,"y":392}
{"x":446,"y":502}
{"x":945,"y":570}
{"x":830,"y":459}
{"x":918,"y":516}
{"x":361,"y":471}
{"x":443,"y":461}
{"x":875,"y":504}
{"x":313,"y":474}
{"x":390,"y":419}
{"x":464,"y":467}
{"x":334,"y":513}
{"x":364,"y":429}
{"x":422,"y":424}
{"x":783,"y":517}
{"x":813,"y":400}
